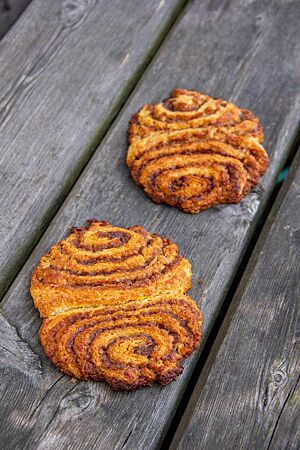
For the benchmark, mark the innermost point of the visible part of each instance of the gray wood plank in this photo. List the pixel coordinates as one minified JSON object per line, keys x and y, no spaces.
{"x":10,"y":10}
{"x":66,"y":67}
{"x":249,"y":397}
{"x":230,"y":49}
{"x":287,"y":431}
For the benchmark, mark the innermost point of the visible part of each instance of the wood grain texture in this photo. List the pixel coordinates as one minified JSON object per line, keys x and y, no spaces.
{"x":10,"y":10}
{"x":66,"y":67}
{"x":250,"y":396}
{"x":242,"y":51}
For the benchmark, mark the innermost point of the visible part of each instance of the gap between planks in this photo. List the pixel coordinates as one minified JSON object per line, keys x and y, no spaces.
{"x":93,"y":144}
{"x":148,"y":425}
{"x":10,"y":11}
{"x":211,"y":345}
{"x":231,"y":305}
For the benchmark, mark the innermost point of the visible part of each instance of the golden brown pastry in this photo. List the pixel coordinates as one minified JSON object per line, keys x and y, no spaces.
{"x":193,"y":151}
{"x":129,"y":345}
{"x":114,"y":306}
{"x":101,"y":264}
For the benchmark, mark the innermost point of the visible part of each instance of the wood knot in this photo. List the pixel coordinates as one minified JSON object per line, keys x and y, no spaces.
{"x":73,"y":11}
{"x":279,"y":377}
{"x":77,"y":402}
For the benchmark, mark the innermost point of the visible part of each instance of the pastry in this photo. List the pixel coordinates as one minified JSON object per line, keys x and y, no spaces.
{"x":114,"y":306}
{"x":130,"y":345}
{"x":101,"y":264}
{"x":194,"y":152}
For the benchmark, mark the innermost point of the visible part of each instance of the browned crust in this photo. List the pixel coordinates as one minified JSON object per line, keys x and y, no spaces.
{"x":193,"y":151}
{"x":130,"y":345}
{"x":101,"y":264}
{"x":114,"y":307}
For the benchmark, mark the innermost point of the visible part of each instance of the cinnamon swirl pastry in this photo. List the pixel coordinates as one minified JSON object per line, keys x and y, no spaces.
{"x":129,"y":345}
{"x":193,"y":151}
{"x":114,"y":306}
{"x":101,"y":264}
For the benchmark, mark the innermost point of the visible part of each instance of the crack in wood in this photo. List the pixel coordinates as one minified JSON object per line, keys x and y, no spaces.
{"x":35,"y":411}
{"x":289,"y":395}
{"x":127,"y":439}
{"x":17,"y":353}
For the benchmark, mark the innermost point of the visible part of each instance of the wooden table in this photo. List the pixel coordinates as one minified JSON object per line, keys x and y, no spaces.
{"x":71,"y":74}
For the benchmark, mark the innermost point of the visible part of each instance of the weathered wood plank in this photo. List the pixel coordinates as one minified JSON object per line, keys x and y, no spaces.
{"x":242,"y":51}
{"x":66,"y":67}
{"x":287,"y":431}
{"x":249,"y":398}
{"x":10,"y":10}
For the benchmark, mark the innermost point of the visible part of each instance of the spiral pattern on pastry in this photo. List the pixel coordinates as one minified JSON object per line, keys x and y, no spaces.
{"x":193,"y":151}
{"x":101,"y":264}
{"x":129,"y":345}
